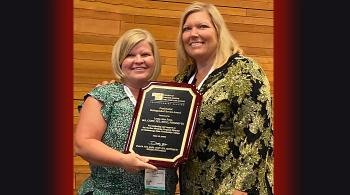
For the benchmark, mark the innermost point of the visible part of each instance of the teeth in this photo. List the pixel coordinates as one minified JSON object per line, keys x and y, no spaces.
{"x":139,"y":68}
{"x":195,"y":44}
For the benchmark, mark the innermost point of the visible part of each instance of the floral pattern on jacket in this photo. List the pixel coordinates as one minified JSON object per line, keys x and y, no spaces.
{"x":233,"y":143}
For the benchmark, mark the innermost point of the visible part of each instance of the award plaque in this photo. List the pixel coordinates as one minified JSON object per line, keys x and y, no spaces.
{"x":164,"y":122}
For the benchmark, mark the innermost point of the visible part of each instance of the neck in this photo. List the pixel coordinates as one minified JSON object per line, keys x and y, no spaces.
{"x":202,"y":70}
{"x":204,"y":64}
{"x":135,"y":88}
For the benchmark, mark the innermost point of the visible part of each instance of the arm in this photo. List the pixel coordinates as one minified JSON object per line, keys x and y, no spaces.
{"x":255,"y":139}
{"x":89,"y":131}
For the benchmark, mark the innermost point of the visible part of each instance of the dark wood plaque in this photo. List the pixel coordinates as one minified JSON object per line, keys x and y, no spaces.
{"x":164,"y":123}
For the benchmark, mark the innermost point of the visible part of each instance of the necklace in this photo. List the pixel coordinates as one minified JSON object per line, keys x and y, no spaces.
{"x":192,"y":79}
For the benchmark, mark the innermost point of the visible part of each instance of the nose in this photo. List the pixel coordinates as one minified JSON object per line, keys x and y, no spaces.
{"x":138,"y":59}
{"x":194,"y":32}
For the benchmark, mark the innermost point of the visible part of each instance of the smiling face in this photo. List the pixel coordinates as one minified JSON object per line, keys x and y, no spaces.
{"x":138,"y":66}
{"x":199,"y":36}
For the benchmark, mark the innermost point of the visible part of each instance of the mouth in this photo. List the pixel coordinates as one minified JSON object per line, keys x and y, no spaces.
{"x":196,"y":43}
{"x":139,"y":68}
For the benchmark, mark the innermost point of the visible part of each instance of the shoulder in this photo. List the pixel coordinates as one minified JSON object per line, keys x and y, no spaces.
{"x":246,"y":65}
{"x":179,"y":77}
{"x":111,"y":87}
{"x":108,"y":92}
{"x":183,"y":77}
{"x":241,"y":59}
{"x":247,"y":72}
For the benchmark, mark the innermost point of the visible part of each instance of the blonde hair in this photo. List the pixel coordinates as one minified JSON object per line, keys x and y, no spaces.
{"x":126,"y":43}
{"x":227,"y":45}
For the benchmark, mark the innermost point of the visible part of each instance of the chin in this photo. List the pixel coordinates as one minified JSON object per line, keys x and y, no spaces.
{"x":142,"y":79}
{"x":197,"y":55}
{"x":196,"y":52}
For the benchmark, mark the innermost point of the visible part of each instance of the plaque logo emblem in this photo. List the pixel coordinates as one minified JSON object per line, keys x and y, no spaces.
{"x":158,"y":96}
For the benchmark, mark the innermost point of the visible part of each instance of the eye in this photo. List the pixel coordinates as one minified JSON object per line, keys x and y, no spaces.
{"x":203,"y":26}
{"x":130,"y":55}
{"x":186,"y":28}
{"x":146,"y":54}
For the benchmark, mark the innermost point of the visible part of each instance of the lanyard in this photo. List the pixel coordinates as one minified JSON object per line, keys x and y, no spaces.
{"x":129,"y":94}
{"x":206,"y":76}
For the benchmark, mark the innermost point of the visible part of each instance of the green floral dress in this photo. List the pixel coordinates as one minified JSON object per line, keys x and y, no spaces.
{"x":233,"y":143}
{"x":117,"y":110}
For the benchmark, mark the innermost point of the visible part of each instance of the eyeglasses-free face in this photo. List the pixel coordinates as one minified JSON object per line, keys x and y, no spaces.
{"x":139,"y":65}
{"x":199,"y":36}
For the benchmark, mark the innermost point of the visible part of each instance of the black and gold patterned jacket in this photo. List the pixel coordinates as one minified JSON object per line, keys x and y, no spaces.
{"x":233,"y":143}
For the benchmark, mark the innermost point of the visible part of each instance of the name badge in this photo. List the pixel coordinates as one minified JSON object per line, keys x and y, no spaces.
{"x":155,"y":182}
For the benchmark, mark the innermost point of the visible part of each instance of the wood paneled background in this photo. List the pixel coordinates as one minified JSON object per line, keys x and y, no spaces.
{"x":99,"y":23}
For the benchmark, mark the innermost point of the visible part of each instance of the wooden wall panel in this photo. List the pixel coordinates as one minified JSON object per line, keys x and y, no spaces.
{"x":249,"y":28}
{"x":251,"y":4}
{"x":96,"y":26}
{"x":99,"y":23}
{"x":91,"y":13}
{"x":248,"y":20}
{"x":94,"y":39}
{"x":248,"y":39}
{"x":121,"y":8}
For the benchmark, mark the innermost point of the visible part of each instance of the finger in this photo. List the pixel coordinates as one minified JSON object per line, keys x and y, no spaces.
{"x":104,"y":82}
{"x":112,"y":81}
{"x":149,"y":166}
{"x":142,"y":158}
{"x":98,"y":85}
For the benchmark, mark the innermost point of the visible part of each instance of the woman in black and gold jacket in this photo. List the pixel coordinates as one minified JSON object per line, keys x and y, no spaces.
{"x":232,"y":151}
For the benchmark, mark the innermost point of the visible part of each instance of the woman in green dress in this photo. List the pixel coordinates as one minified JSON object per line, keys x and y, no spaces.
{"x":105,"y":118}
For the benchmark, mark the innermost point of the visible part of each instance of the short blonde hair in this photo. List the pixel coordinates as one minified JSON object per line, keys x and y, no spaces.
{"x":126,"y":43}
{"x":227,"y":45}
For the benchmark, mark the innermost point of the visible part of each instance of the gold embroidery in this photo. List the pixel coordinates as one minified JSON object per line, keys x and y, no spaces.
{"x":218,"y":143}
{"x":233,"y":145}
